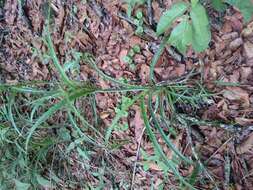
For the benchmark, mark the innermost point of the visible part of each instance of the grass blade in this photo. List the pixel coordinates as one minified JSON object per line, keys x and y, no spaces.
{"x":56,"y":63}
{"x":79,"y":131}
{"x":156,"y":58}
{"x":165,"y":138}
{"x":10,"y":115}
{"x":43,"y":118}
{"x":158,"y":148}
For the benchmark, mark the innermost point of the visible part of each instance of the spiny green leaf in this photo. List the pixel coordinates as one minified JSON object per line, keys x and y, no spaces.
{"x":64,"y":134}
{"x":181,"y":36}
{"x":170,"y":15}
{"x":201,"y":29}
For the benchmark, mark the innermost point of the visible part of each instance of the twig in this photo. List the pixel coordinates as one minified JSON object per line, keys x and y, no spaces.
{"x":150,"y":13}
{"x":219,"y":149}
{"x":227,"y":170}
{"x":137,"y":158}
{"x":98,"y":9}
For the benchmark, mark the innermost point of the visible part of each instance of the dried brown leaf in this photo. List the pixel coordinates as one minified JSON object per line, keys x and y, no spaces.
{"x":244,"y":121}
{"x":138,"y":124}
{"x":238,"y":94}
{"x":246,"y":145}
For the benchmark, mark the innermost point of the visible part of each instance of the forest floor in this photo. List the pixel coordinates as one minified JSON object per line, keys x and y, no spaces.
{"x":212,"y":125}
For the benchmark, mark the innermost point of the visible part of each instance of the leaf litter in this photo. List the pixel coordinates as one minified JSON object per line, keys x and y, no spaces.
{"x":95,"y":27}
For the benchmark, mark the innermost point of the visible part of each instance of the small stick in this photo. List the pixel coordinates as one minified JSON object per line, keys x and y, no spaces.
{"x":219,"y":149}
{"x":150,"y":13}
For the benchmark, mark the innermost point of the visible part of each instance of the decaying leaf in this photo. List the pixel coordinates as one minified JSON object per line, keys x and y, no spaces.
{"x":248,"y":48}
{"x":238,"y":94}
{"x":248,"y":31}
{"x":246,"y":145}
{"x":138,"y":124}
{"x":244,"y":121}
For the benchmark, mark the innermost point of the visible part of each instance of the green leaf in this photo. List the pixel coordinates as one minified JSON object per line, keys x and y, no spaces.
{"x":21,"y":186}
{"x":201,"y":29}
{"x":64,"y":134}
{"x":136,"y":48}
{"x":194,"y":2}
{"x":43,"y":182}
{"x":139,"y":14}
{"x":83,"y":153}
{"x":170,"y":15}
{"x":181,"y":36}
{"x":219,"y":5}
{"x":245,"y":6}
{"x":56,"y":62}
{"x":131,"y":4}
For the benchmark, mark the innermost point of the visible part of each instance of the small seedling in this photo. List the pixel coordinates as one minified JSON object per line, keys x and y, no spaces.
{"x":130,"y":56}
{"x":131,"y":4}
{"x":139,"y":23}
{"x":136,"y":48}
{"x":128,"y":59}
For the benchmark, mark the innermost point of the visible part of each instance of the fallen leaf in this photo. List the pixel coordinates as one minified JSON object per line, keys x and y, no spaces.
{"x":248,"y":49}
{"x":251,"y":99}
{"x":230,"y":36}
{"x":10,"y":14}
{"x":144,"y":73}
{"x":234,"y":78}
{"x":246,"y":145}
{"x":104,"y":115}
{"x":226,"y":28}
{"x":244,"y":121}
{"x":236,"y":93}
{"x":138,"y":124}
{"x":154,"y":166}
{"x":245,"y":72}
{"x":248,"y":31}
{"x":236,"y":43}
{"x":180,"y":70}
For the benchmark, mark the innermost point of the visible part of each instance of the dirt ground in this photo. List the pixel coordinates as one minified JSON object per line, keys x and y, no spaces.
{"x":102,"y":29}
